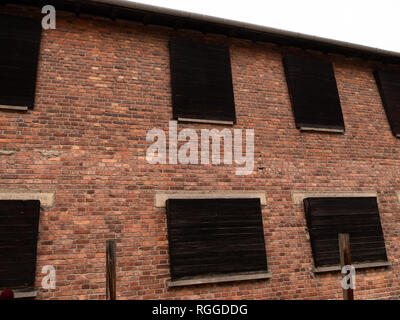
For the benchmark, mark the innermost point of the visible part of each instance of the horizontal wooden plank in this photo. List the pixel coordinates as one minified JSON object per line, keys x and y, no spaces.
{"x":319,"y":233}
{"x":198,"y":270}
{"x":359,"y":221}
{"x":355,"y":245}
{"x":16,"y":268}
{"x":333,"y":260}
{"x":227,"y":264}
{"x":220,"y":279}
{"x":360,"y":252}
{"x":214,"y":254}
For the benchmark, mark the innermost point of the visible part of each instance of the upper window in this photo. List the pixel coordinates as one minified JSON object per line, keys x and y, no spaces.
{"x":314,"y":95}
{"x":201,"y":81}
{"x":389,"y":88}
{"x":210,"y":237}
{"x":358,"y":216}
{"x":19,"y":222}
{"x":20,"y":41}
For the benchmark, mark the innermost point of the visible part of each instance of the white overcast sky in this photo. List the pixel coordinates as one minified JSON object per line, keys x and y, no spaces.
{"x":371,"y":23}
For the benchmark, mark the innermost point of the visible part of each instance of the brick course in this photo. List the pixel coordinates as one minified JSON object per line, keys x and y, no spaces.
{"x":102,"y":85}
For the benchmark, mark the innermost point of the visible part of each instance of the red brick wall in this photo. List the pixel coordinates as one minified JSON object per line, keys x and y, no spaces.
{"x":102,"y":85}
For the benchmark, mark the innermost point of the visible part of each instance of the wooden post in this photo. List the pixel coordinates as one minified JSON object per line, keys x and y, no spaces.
{"x":111,"y":285}
{"x":345,"y":260}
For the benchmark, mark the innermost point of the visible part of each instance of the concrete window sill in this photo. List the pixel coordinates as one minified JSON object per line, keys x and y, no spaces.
{"x":46,"y":198}
{"x":229,"y":123}
{"x":25,"y":293}
{"x":219,"y":279}
{"x":322,"y":130}
{"x":377,"y":264}
{"x":17,"y":108}
{"x":299,"y":196}
{"x":161,"y":196}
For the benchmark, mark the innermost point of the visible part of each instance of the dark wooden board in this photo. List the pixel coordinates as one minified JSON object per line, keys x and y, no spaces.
{"x":18,"y":241}
{"x":201,"y":81}
{"x":389,"y":87}
{"x":215,"y":236}
{"x":358,"y":216}
{"x":19,"y":55}
{"x":313,"y":92}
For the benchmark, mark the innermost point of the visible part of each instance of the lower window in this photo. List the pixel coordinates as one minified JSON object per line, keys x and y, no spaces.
{"x":19,"y":222}
{"x":358,"y":216}
{"x":209,"y":237}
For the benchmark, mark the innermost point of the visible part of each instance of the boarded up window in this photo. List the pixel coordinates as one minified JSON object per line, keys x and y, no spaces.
{"x":215,"y":236}
{"x":201,"y":81}
{"x":18,"y":238}
{"x":20,"y":41}
{"x":327,"y":217}
{"x":389,"y":88}
{"x":313,"y":92}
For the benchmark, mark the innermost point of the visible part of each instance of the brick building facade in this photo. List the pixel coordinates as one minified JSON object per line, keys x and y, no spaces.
{"x":103,"y":84}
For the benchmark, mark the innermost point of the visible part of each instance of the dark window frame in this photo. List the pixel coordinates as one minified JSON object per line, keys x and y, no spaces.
{"x":201,"y":246}
{"x":201,"y":88}
{"x":322,"y":210}
{"x":19,"y":61}
{"x":303,"y":72}
{"x":24,"y":254}
{"x":390,"y":97}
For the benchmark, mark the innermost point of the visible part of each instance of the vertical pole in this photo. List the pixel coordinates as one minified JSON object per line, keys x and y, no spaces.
{"x":345,"y":260}
{"x":111,"y":286}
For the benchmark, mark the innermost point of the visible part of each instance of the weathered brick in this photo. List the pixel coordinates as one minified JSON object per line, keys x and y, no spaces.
{"x":102,"y":85}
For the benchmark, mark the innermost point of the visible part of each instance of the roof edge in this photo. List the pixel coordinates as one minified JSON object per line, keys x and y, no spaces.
{"x":244,"y":25}
{"x":149,"y":14}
